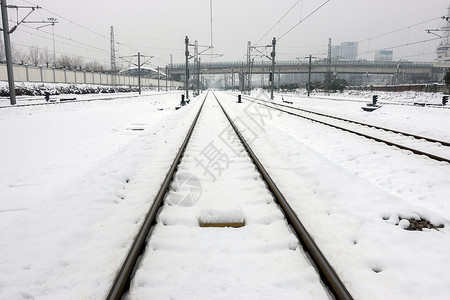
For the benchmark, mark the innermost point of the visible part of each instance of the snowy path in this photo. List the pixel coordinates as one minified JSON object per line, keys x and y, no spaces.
{"x":261,"y":260}
{"x":350,"y":193}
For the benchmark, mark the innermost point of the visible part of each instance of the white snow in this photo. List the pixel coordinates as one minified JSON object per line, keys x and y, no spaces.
{"x":76,"y":180}
{"x":222,"y":214}
{"x":260,"y":260}
{"x":350,"y":192}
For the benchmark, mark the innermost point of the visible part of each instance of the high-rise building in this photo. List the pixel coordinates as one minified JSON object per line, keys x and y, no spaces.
{"x":384,"y":55}
{"x":335,"y":52}
{"x":443,"y":50}
{"x":349,"y":50}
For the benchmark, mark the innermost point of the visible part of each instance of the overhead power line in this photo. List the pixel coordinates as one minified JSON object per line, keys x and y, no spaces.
{"x":397,"y":30}
{"x":130,"y":47}
{"x":301,"y":21}
{"x":403,"y":45}
{"x":79,"y":25}
{"x":278,"y":22}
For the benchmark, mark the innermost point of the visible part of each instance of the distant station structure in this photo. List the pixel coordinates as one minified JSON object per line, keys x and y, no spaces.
{"x":145,"y":72}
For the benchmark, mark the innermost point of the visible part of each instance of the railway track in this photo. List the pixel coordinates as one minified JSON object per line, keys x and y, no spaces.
{"x":382,"y":102}
{"x":171,"y":232}
{"x":435,"y":149}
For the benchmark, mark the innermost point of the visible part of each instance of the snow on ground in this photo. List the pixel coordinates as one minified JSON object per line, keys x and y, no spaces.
{"x":76,"y":180}
{"x":260,"y":260}
{"x":351,"y":192}
{"x":427,"y":121}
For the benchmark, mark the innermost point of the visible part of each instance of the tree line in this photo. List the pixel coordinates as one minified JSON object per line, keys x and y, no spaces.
{"x":38,"y":57}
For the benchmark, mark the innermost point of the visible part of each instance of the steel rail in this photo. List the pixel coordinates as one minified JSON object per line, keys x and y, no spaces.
{"x":381,"y":102}
{"x":419,"y":137}
{"x":326,"y":271}
{"x":123,"y":277}
{"x":403,"y":147}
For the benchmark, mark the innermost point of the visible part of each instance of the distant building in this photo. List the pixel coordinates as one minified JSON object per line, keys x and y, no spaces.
{"x":443,"y":50}
{"x":349,"y":50}
{"x":384,"y":55}
{"x":335,"y":52}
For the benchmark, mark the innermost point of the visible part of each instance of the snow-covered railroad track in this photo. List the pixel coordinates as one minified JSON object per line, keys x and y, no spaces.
{"x":216,"y":183}
{"x":432,"y":148}
{"x":392,"y":102}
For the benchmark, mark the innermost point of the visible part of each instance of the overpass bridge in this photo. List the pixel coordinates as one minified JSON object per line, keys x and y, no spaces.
{"x":418,"y":71}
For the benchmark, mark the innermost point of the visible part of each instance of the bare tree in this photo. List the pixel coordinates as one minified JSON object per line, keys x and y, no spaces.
{"x":21,"y":57}
{"x":46,"y":57}
{"x":35,"y":56}
{"x":94,"y":66}
{"x":77,"y":62}
{"x":64,"y":62}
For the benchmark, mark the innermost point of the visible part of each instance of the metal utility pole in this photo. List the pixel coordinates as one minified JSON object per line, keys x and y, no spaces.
{"x":138,"y":66}
{"x":186,"y":53}
{"x":198,"y":76}
{"x":211,"y":16}
{"x":139,"y":72}
{"x":309,"y":75}
{"x":242,"y":78}
{"x":6,"y":34}
{"x":53,"y":20}
{"x":171,"y":66}
{"x":9,"y":66}
{"x":249,"y":75}
{"x":274,"y":41}
{"x":328,"y":77}
{"x":113,"y":58}
{"x":158,"y":79}
{"x":196,"y":66}
{"x":167,"y":78}
{"x":232,"y":79}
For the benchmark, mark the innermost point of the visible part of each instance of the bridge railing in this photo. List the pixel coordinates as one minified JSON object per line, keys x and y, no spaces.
{"x":359,"y":63}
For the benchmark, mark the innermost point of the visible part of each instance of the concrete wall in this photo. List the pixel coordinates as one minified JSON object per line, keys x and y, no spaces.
{"x":48,"y":75}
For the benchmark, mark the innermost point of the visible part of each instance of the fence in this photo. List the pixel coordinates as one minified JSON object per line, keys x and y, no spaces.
{"x":40,"y":74}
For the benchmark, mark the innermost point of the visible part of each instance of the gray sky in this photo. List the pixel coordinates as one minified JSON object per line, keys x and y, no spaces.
{"x":158,"y":28}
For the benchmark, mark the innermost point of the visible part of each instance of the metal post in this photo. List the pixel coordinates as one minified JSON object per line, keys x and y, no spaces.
{"x":232,"y":79}
{"x":171,"y":67}
{"x":274,"y":41}
{"x":158,"y":79}
{"x":139,"y":72}
{"x":309,"y":75}
{"x":167,"y":78}
{"x":53,"y":35}
{"x":9,"y":66}
{"x":328,"y":76}
{"x":198,"y":77}
{"x":186,"y":40}
{"x":241,"y":79}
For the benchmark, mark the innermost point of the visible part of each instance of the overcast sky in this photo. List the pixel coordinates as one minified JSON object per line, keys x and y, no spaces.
{"x":158,"y":28}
